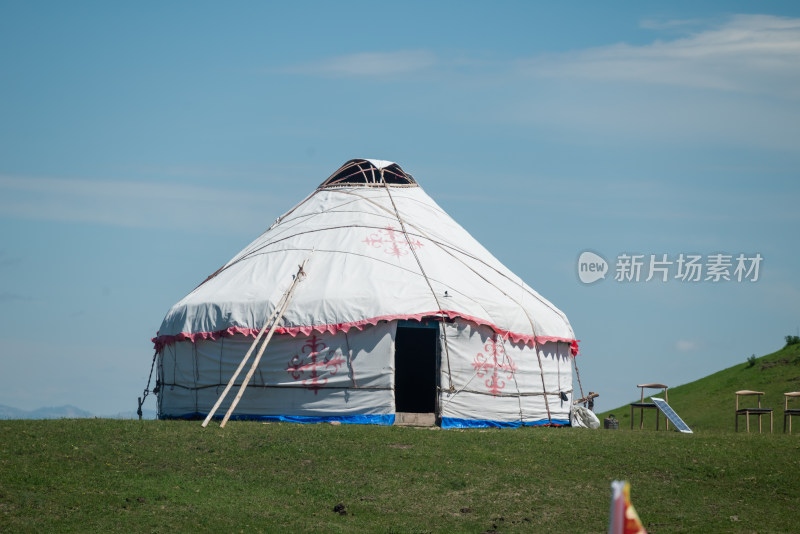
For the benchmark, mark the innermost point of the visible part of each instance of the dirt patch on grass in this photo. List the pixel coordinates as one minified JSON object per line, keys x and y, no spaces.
{"x":768,"y":365}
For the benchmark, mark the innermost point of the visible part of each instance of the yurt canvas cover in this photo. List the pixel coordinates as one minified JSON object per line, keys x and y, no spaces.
{"x":401,"y":310}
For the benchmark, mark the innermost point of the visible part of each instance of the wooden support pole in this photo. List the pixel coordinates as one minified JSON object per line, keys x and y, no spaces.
{"x":587,"y":398}
{"x":253,"y":367}
{"x":246,"y":381}
{"x":242,"y":363}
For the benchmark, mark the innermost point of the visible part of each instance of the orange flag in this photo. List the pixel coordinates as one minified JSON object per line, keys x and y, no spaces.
{"x":624,"y":519}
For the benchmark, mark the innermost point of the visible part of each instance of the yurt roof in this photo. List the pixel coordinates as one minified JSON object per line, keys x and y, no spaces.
{"x":378,"y":248}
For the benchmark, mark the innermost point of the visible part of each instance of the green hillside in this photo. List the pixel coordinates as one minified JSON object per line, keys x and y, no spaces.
{"x":709,"y":403}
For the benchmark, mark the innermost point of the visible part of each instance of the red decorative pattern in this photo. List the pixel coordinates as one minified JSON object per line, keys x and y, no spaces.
{"x":165,"y":340}
{"x":314,"y":357}
{"x":392,"y":241}
{"x":497,"y":362}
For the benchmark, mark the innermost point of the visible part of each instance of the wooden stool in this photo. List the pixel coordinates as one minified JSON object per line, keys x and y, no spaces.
{"x":789,"y":412}
{"x":642,"y":405}
{"x":747,"y":412}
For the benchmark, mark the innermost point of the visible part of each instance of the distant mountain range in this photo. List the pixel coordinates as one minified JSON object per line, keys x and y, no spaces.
{"x":64,"y":412}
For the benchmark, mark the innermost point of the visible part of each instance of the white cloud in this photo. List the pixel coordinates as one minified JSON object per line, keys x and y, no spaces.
{"x":749,"y":53}
{"x":685,"y":345}
{"x":746,"y":53}
{"x":653,"y":24}
{"x":136,"y":204}
{"x":734,"y":83}
{"x":366,"y":64}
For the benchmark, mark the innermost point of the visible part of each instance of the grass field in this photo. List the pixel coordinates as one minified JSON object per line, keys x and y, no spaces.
{"x":172,"y":476}
{"x":95,"y":475}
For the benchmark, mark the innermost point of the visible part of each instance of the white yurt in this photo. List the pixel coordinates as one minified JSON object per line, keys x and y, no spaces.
{"x":379,"y":304}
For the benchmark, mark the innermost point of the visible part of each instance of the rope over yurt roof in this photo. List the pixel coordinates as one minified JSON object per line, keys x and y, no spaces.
{"x":380,"y":256}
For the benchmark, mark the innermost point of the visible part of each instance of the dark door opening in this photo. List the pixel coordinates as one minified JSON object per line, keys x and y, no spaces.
{"x":415,"y":369}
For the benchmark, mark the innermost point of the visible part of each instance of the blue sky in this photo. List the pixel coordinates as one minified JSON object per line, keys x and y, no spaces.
{"x":142,"y":145}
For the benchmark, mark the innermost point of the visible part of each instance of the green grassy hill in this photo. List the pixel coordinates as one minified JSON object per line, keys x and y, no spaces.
{"x":709,"y":403}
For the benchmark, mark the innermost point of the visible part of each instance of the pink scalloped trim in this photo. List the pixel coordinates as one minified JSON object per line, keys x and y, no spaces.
{"x":163,"y":341}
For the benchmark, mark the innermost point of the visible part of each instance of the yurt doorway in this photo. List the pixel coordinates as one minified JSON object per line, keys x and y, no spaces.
{"x":416,"y":363}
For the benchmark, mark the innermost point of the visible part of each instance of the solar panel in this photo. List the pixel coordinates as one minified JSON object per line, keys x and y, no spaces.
{"x":671,"y":415}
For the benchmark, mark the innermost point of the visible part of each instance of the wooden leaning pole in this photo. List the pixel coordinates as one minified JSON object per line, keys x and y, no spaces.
{"x":272,"y":323}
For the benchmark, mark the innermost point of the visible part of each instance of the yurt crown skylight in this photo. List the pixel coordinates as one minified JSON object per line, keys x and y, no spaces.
{"x":371,"y":173}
